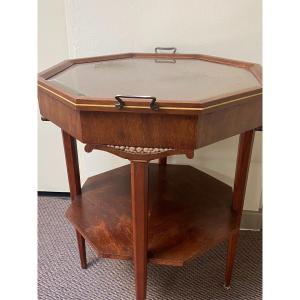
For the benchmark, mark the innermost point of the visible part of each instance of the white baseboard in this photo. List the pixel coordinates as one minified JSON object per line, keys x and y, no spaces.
{"x":251,"y":220}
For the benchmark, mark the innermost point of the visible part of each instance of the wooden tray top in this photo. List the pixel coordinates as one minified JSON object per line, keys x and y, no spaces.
{"x":183,"y":81}
{"x":158,"y":100}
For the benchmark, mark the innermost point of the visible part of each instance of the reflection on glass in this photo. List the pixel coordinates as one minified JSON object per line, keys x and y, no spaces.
{"x":187,"y":79}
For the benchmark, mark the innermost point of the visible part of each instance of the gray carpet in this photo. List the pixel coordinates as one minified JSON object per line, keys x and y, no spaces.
{"x":60,"y":277}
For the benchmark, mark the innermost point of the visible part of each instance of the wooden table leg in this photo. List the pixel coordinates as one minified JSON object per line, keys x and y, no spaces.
{"x":239,"y":190}
{"x":71,"y":156}
{"x":162,"y":161}
{"x":139,"y":194}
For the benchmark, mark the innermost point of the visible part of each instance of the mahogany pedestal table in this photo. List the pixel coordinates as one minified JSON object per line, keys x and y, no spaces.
{"x":153,"y":213}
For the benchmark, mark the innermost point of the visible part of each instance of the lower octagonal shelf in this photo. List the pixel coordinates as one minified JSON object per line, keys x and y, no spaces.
{"x":189,"y":213}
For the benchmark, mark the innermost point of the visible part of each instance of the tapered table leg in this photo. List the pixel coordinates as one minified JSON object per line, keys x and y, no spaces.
{"x":139,"y":194}
{"x":240,"y":183}
{"x":71,"y":156}
{"x":231,"y":251}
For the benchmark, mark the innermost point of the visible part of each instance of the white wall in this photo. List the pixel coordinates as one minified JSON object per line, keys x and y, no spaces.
{"x":229,"y":28}
{"x":52,"y":48}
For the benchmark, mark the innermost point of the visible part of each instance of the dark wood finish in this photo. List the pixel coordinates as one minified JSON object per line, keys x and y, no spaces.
{"x":189,"y":212}
{"x":46,"y":74}
{"x":143,"y":130}
{"x":139,"y":198}
{"x":75,"y":185}
{"x":72,"y":164}
{"x":240,"y":183}
{"x":60,"y":114}
{"x":56,"y":69}
{"x":162,"y":161}
{"x":195,"y":82}
{"x":101,"y":58}
{"x":209,"y":58}
{"x":178,"y":124}
{"x":90,"y":103}
{"x":82,"y":251}
{"x":242,"y":170}
{"x":231,"y":252}
{"x":152,"y":130}
{"x":230,"y":121}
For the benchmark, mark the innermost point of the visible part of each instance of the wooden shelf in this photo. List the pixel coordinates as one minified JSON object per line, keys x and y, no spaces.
{"x":189,"y":213}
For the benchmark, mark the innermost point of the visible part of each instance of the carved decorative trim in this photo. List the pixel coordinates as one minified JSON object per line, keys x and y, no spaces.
{"x":140,"y":150}
{"x":136,"y":152}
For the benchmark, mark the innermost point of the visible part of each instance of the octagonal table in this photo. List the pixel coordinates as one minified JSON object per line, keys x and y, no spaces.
{"x":146,"y":106}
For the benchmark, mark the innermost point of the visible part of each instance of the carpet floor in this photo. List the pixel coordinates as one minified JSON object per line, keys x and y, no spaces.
{"x":61,"y":278}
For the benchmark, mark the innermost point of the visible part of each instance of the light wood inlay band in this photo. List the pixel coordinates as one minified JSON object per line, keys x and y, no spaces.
{"x":146,"y":107}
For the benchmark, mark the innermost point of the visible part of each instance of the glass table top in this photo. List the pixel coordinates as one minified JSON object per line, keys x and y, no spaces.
{"x":180,"y":79}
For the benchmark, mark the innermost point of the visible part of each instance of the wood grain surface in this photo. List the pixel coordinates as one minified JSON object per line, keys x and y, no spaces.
{"x":189,"y":212}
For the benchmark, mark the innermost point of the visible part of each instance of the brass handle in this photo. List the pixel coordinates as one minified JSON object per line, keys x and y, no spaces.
{"x":121,"y":103}
{"x":173,"y":49}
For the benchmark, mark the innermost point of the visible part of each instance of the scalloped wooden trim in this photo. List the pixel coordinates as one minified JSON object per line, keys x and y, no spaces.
{"x":138,"y":153}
